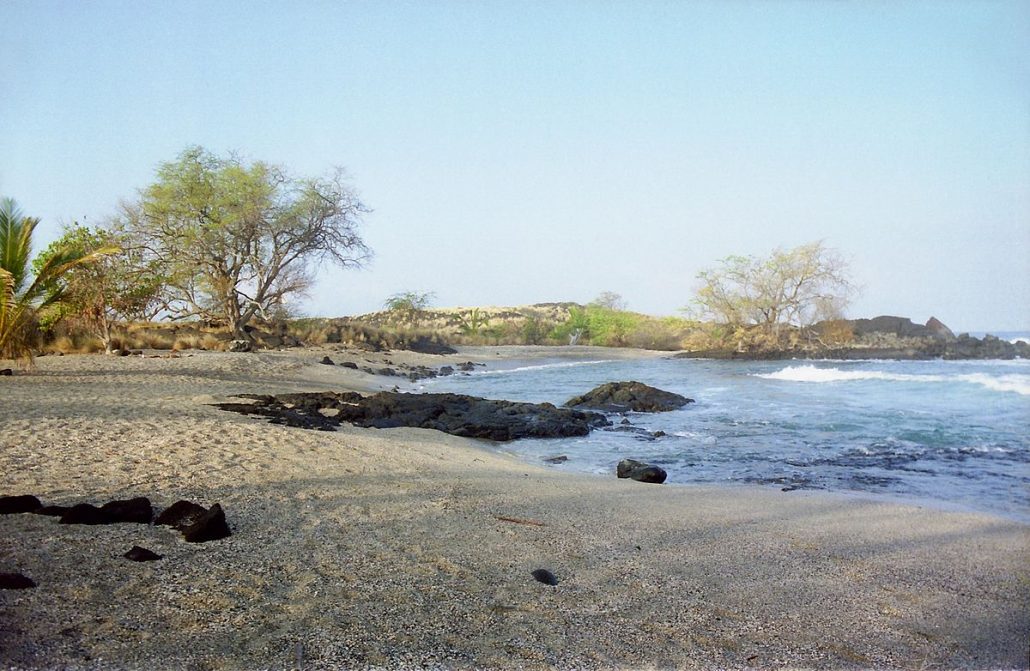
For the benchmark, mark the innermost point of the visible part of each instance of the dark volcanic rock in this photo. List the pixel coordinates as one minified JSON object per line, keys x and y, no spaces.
{"x":938,"y":329}
{"x":52,"y":511}
{"x":86,"y":513}
{"x":349,"y":364}
{"x":6,"y":372}
{"x":545,"y":576}
{"x":10,"y":505}
{"x":181,"y":515}
{"x":425,"y":345}
{"x":623,"y":396}
{"x":327,"y":361}
{"x":455,"y":414}
{"x":556,"y":460}
{"x":210,"y":527}
{"x":141,"y":554}
{"x":137,"y":510}
{"x":638,"y":470}
{"x":15,"y":581}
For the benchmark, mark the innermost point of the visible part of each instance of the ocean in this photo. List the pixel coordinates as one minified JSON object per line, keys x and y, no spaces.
{"x":949,"y":434}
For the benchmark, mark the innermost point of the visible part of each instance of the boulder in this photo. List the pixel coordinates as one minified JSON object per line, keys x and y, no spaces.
{"x":446,"y":370}
{"x":939,"y":330}
{"x":556,"y":460}
{"x":15,"y":581}
{"x":6,"y":372}
{"x":628,"y":396}
{"x":327,"y":361}
{"x":426,"y":345}
{"x":211,"y":526}
{"x":349,"y":364}
{"x":638,"y":470}
{"x":902,"y":327}
{"x":137,"y":510}
{"x":141,"y":554}
{"x":10,"y":505}
{"x":181,"y":515}
{"x":86,"y":513}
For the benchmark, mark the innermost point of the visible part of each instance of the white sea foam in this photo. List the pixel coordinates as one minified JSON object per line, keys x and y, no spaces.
{"x":543,"y":366}
{"x":1019,"y":384}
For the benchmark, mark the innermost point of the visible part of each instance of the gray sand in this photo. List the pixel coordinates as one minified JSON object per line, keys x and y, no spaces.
{"x":366,"y":548}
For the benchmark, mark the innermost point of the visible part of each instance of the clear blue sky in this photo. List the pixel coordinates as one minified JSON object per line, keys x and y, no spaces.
{"x":519,"y":152}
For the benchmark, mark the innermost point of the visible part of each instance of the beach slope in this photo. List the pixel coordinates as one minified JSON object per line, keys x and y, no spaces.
{"x":407,"y":548}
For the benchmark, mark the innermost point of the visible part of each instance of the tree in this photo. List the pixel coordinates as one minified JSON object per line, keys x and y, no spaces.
{"x":796,"y":287}
{"x":237,"y":241}
{"x":119,"y":287}
{"x":610,"y":300}
{"x":409,"y":306}
{"x":24,"y":293}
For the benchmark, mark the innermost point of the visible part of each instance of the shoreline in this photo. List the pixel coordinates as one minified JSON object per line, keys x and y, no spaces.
{"x":388,"y":548}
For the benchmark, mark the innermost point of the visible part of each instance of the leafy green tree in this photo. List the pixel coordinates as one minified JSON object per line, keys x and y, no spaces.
{"x":124,"y":286}
{"x":238,"y":240}
{"x":409,"y":306}
{"x":796,"y":287}
{"x":24,"y":293}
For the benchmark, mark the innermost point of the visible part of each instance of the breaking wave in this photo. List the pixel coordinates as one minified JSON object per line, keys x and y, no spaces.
{"x":1017,"y":383}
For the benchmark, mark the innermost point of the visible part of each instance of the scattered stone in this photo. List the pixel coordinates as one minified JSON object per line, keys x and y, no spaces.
{"x":210,"y":527}
{"x":327,"y":361}
{"x":26,"y":503}
{"x":556,"y":460}
{"x":446,"y":370}
{"x":659,"y":434}
{"x":625,"y":396}
{"x":6,"y":372}
{"x":137,"y":510}
{"x":16,"y":581}
{"x":641,"y":472}
{"x":181,"y":515}
{"x":545,"y":576}
{"x":349,"y":364}
{"x":141,"y":554}
{"x":86,"y":513}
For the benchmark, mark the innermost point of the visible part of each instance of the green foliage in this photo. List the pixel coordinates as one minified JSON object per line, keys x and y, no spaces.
{"x":239,"y":240}
{"x":24,"y":294}
{"x":124,"y":285}
{"x":408,"y":307}
{"x":471,"y":322}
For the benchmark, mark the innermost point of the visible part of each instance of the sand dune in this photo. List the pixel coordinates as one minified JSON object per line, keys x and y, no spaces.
{"x":366,"y":548}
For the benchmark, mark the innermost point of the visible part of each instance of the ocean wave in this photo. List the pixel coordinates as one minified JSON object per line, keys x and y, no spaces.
{"x":537,"y":367}
{"x":1017,"y":383}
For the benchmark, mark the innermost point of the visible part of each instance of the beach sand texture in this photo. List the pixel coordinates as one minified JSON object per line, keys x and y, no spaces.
{"x":409,"y":548}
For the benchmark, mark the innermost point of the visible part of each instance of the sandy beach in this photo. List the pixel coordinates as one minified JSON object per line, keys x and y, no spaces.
{"x":407,"y":548}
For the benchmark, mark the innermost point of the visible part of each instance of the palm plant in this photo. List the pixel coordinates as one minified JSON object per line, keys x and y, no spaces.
{"x":22,"y":294}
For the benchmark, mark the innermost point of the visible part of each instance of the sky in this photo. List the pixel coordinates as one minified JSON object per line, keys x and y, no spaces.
{"x":522,"y":152}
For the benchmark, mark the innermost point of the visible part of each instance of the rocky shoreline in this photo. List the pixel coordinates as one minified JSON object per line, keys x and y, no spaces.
{"x":885,"y":337}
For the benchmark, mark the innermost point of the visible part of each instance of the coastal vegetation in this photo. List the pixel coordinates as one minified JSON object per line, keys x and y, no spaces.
{"x":27,"y":292}
{"x":236,"y":241}
{"x":789,"y":288}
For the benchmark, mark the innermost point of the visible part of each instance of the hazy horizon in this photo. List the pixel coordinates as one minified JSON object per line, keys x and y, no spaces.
{"x":520,"y":153}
